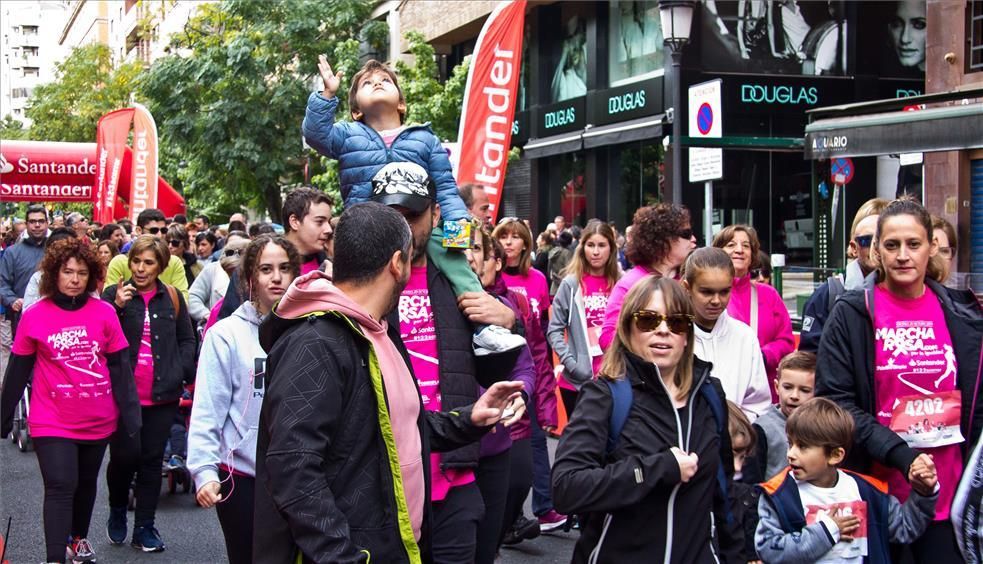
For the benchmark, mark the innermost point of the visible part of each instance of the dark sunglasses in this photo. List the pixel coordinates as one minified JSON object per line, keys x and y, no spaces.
{"x":155,"y":230}
{"x":685,"y":234}
{"x":648,"y":321}
{"x":231,"y":252}
{"x":759,"y":272}
{"x":175,"y":242}
{"x":863,"y":241}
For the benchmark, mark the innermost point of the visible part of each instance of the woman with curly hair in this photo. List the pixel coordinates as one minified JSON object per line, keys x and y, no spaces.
{"x":72,"y":342}
{"x":757,"y":305}
{"x":661,"y":239}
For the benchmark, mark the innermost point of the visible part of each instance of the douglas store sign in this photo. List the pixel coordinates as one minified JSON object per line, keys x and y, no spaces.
{"x":784,"y":94}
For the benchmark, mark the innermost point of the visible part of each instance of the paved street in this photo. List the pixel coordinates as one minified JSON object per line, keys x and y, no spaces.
{"x":192,"y":534}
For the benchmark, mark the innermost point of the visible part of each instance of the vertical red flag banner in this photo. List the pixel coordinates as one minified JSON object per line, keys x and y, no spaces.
{"x":111,"y":137}
{"x":144,"y":175}
{"x":485,"y":132}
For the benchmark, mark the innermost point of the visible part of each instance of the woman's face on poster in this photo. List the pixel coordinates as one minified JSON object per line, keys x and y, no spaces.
{"x":907,"y":30}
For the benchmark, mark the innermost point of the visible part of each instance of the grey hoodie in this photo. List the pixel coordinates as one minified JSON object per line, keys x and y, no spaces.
{"x":568,"y":315}
{"x":228,"y":396}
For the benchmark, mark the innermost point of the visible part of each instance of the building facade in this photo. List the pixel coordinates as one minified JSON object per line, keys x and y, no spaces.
{"x":29,"y":51}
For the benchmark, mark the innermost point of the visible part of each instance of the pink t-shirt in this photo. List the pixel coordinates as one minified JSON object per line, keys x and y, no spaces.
{"x":309,"y":266}
{"x":915,"y":367}
{"x":533,"y":286}
{"x":596,"y":291}
{"x":72,"y":395}
{"x":143,"y":372}
{"x":417,"y":330}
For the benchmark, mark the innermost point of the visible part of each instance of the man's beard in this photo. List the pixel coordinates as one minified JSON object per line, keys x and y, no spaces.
{"x":398,"y":290}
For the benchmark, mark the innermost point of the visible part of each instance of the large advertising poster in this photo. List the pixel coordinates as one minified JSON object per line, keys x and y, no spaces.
{"x":635,"y":39}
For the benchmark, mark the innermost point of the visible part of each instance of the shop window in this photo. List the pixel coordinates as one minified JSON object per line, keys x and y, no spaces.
{"x":566,"y":192}
{"x":570,"y":74}
{"x":635,"y":41}
{"x":641,"y":177}
{"x":975,"y":57}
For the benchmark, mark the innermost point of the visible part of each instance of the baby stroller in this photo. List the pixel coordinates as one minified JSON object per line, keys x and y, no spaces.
{"x":20,"y":435}
{"x":174,"y":467}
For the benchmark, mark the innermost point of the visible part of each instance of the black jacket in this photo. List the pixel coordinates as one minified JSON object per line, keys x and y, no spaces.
{"x":455,"y":354}
{"x":323,"y":480}
{"x":173,"y":341}
{"x":637,"y":486}
{"x":845,"y":372}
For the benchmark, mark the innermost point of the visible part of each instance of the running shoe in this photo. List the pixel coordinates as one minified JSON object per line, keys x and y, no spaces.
{"x":80,"y":551}
{"x":175,"y":462}
{"x":523,"y":529}
{"x":116,"y":526}
{"x":147,"y":539}
{"x":494,"y":339}
{"x":551,"y":521}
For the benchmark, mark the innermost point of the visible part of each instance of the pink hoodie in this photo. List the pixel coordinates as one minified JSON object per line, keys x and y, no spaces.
{"x":314,"y":292}
{"x":774,"y":324}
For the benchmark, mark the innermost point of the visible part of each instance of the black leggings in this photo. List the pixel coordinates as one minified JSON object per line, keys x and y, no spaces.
{"x":141,"y":455}
{"x":493,"y":481}
{"x":235,"y":514}
{"x":520,"y":480}
{"x":70,"y":470}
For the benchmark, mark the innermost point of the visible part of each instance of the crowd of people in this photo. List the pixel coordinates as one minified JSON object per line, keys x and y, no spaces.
{"x":362,"y":389}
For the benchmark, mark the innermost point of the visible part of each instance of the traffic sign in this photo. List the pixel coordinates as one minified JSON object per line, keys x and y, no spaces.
{"x":705,"y":121}
{"x":841,"y":170}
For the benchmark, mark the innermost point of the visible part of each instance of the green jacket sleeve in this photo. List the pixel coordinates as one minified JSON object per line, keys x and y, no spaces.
{"x":174,"y":275}
{"x":117,"y":271}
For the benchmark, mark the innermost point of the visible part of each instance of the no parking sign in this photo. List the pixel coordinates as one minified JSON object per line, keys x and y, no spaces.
{"x":841,"y":170}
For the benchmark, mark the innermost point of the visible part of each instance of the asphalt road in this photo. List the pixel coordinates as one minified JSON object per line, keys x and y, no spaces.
{"x":192,"y":534}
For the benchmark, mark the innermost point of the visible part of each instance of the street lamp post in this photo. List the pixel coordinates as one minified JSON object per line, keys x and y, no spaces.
{"x":677,"y":18}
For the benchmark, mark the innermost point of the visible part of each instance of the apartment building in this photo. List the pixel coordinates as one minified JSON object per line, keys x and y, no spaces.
{"x":29,"y":50}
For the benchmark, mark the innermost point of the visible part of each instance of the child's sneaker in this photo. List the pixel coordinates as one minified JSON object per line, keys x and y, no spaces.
{"x":494,"y":339}
{"x":147,"y":539}
{"x":80,"y":551}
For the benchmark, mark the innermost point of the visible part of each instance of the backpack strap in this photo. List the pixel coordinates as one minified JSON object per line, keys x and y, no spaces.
{"x":172,"y":291}
{"x":720,"y":417}
{"x":835,"y":290}
{"x":622,"y":397}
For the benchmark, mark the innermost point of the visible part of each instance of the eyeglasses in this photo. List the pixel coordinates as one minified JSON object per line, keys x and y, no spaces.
{"x":175,"y":242}
{"x":863,"y":241}
{"x":648,"y":321}
{"x":685,"y":234}
{"x":37,"y":221}
{"x":947,"y":252}
{"x":759,"y":272}
{"x":155,"y":230}
{"x":231,"y":252}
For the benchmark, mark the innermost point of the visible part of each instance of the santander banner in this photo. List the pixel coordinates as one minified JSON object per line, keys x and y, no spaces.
{"x":489,"y":105}
{"x":111,"y":134}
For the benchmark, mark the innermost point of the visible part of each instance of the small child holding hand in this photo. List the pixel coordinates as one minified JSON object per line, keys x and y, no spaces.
{"x":377,"y":136}
{"x":815,"y":512}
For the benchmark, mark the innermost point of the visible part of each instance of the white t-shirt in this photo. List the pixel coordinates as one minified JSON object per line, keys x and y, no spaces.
{"x":818,"y":502}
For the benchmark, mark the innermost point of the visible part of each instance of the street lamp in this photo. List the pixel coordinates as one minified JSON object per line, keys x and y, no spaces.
{"x":677,"y":19}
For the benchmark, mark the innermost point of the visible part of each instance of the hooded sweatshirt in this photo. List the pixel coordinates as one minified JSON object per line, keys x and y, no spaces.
{"x":774,"y":323}
{"x":733,"y":350}
{"x":314,"y":293}
{"x":229,"y":393}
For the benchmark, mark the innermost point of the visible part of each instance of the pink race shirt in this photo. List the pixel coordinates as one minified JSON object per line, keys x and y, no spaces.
{"x":417,"y":330}
{"x":533,"y":286}
{"x":143,"y":372}
{"x":596,"y":291}
{"x":915,"y":385}
{"x":309,"y":266}
{"x":72,"y":395}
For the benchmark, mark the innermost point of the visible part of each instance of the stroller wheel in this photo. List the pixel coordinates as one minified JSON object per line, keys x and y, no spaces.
{"x":186,"y":481}
{"x":171,"y":482}
{"x":23,"y":440}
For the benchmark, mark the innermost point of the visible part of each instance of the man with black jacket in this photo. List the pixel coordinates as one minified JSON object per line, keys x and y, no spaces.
{"x":19,"y":263}
{"x":438,"y":338}
{"x":342,"y":455}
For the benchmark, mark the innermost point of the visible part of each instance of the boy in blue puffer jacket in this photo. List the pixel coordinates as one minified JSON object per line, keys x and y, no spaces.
{"x":377,"y":136}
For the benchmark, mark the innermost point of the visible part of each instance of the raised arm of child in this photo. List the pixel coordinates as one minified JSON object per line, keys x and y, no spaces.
{"x":319,"y":119}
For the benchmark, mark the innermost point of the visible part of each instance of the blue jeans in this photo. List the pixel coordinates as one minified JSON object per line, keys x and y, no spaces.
{"x":542,"y":499}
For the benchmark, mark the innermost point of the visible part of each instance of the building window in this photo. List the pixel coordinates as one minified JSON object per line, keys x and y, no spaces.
{"x":32,"y":71}
{"x":635,"y":41}
{"x":20,"y":92}
{"x":30,"y":52}
{"x":29,"y":30}
{"x":975,"y":57}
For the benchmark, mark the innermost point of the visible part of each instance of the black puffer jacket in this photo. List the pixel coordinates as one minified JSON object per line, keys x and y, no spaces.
{"x":845,"y":372}
{"x":172,"y":342}
{"x":633,"y":497}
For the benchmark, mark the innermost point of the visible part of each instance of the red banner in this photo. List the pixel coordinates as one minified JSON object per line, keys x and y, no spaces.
{"x":489,"y":101}
{"x":111,"y":135}
{"x":144,"y":176}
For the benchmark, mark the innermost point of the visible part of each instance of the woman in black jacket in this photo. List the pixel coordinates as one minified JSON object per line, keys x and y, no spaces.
{"x":161,"y":341}
{"x":903,"y":357}
{"x":646,"y":453}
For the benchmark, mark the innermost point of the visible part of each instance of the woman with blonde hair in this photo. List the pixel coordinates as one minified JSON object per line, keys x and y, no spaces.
{"x":578,"y":309}
{"x":648,"y":450}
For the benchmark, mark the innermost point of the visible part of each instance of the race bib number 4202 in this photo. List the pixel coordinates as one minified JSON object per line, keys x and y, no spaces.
{"x":928,"y":421}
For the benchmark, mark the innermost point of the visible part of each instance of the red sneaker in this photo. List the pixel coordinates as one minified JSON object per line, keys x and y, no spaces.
{"x":551,"y":521}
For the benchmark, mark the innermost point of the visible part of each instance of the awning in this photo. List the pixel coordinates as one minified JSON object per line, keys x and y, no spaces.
{"x":555,"y":145}
{"x":648,"y":127}
{"x":948,"y":128}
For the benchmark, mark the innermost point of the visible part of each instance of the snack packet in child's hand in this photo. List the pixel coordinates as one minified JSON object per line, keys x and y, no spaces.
{"x":457,"y":234}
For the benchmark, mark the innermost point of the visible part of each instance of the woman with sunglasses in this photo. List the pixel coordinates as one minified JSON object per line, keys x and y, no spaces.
{"x":177,"y":244}
{"x":661,"y":239}
{"x":757,"y":305}
{"x":212,"y":282}
{"x":229,"y":394}
{"x":904,"y":352}
{"x":578,"y":309}
{"x":643,"y":467}
{"x":83,"y":391}
{"x":162,"y":346}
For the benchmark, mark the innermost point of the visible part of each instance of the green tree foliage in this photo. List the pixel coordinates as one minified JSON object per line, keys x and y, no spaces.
{"x":86,"y":87}
{"x":11,"y":128}
{"x":231,"y":98}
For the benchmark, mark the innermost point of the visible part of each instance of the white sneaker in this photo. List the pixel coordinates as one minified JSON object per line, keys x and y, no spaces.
{"x":495,"y":339}
{"x":80,"y":552}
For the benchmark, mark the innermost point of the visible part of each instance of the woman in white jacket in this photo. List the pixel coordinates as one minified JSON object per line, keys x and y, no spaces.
{"x":731,"y":346}
{"x":229,"y":394}
{"x":213,"y":280}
